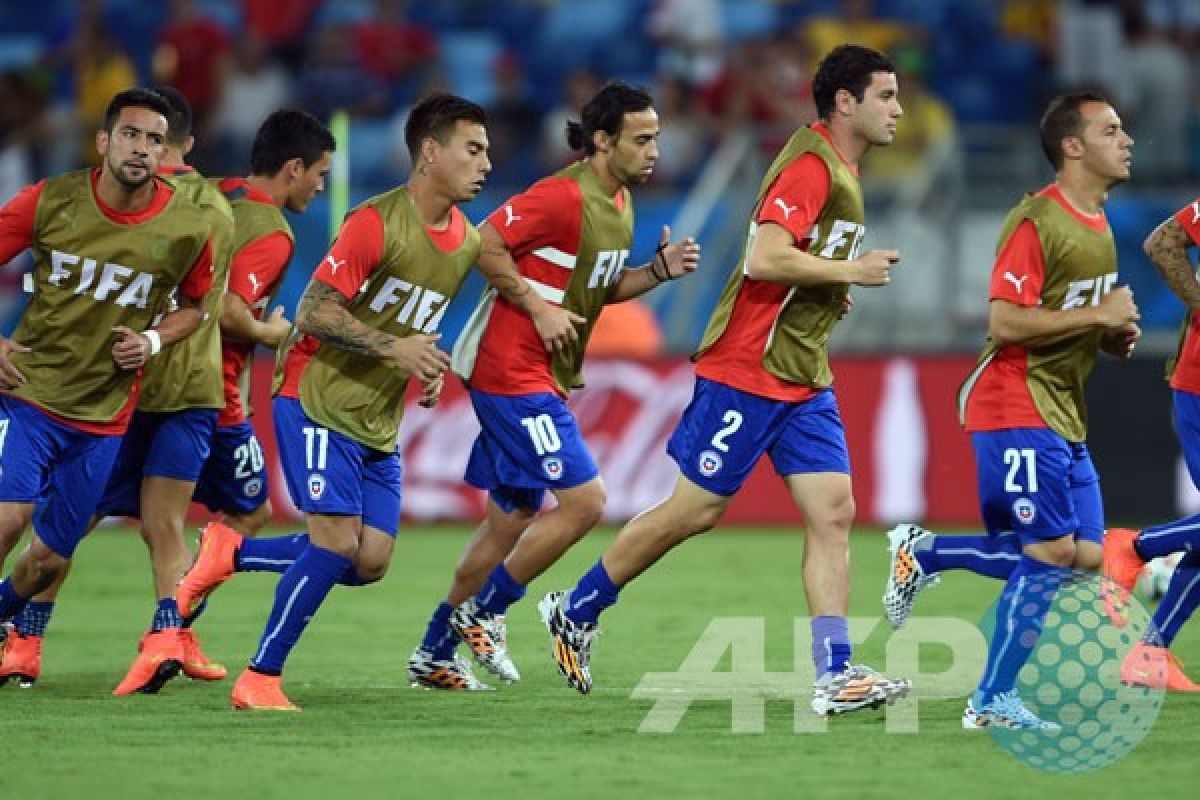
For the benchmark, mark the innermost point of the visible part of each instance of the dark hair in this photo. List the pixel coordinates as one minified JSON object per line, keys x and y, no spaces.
{"x":179,"y":119}
{"x":849,"y":67}
{"x":605,"y":112}
{"x":435,"y":117}
{"x":134,"y":98}
{"x":1062,"y":119}
{"x":288,"y":134}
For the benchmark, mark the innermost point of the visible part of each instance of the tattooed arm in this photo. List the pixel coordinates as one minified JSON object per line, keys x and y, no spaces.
{"x":1167,"y":248}
{"x":323,"y":315}
{"x":555,"y":326}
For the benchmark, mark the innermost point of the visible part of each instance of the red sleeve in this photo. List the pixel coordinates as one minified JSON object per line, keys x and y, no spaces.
{"x":256,"y":268}
{"x":355,"y":253}
{"x":200,"y":278}
{"x":16,"y":222}
{"x":795,"y":199}
{"x":1020,"y":268}
{"x":1188,"y":218}
{"x":535,"y":218}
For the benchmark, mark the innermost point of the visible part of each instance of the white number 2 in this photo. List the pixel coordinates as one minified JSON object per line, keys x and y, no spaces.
{"x":733,"y":421}
{"x":250,"y":458}
{"x":542,"y":432}
{"x":1014,"y":458}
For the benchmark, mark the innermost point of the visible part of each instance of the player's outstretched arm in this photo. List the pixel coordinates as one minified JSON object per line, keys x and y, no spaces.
{"x":1167,"y":247}
{"x":670,"y":261}
{"x":556,"y":326}
{"x":323,"y":315}
{"x":1036,"y":326}
{"x":774,"y":257}
{"x":238,"y":323}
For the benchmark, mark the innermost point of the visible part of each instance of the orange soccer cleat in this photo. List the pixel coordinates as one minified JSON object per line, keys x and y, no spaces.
{"x":159,"y":658}
{"x":214,"y":565}
{"x":21,"y":658}
{"x":196,"y":665}
{"x":1155,"y":668}
{"x":254,"y":691}
{"x":1122,"y":565}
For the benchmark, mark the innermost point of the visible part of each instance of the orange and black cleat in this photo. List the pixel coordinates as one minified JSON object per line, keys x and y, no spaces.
{"x":254,"y":691}
{"x":196,"y":665}
{"x":214,"y":565}
{"x":1154,"y":667}
{"x":159,"y":658}
{"x":449,"y":674}
{"x":21,"y":658}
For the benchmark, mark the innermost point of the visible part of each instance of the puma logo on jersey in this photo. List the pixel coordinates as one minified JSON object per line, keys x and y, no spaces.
{"x":1195,"y":212}
{"x":510,"y":217}
{"x":253,"y":282}
{"x":785,"y":208}
{"x":334,"y":264}
{"x":608,"y":268}
{"x":422,"y":308}
{"x":132,"y":288}
{"x":1008,"y":276}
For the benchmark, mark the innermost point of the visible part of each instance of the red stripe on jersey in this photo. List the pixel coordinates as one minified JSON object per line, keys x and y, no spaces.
{"x":511,"y":359}
{"x":1186,"y":376}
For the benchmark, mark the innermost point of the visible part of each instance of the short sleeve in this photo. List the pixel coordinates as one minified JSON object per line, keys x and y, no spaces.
{"x":535,"y":218}
{"x":17,"y":218}
{"x":256,"y":268}
{"x":1020,"y":268}
{"x":199,"y":279}
{"x":1188,"y":218}
{"x":355,"y":254}
{"x":794,"y":201}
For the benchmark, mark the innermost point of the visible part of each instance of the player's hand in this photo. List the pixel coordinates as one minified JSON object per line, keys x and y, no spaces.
{"x":556,"y":327}
{"x":10,"y":376}
{"x":1117,"y":309}
{"x":847,"y":306}
{"x":132,"y":348}
{"x":417,"y":355}
{"x":432,"y":391}
{"x":874,"y":267}
{"x":276,"y":327}
{"x":1121,"y":343}
{"x":679,"y":259}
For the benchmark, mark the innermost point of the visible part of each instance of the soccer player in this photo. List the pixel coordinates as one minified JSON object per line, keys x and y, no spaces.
{"x":763,"y":383}
{"x":366,"y":323}
{"x":161,"y":454}
{"x":1125,"y":552}
{"x":569,"y":235}
{"x":111,"y":246}
{"x":1054,"y":303}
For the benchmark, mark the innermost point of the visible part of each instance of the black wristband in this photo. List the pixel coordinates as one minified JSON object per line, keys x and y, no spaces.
{"x":660,"y":254}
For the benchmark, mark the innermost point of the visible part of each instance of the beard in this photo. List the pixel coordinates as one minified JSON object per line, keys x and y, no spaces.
{"x":121,"y":173}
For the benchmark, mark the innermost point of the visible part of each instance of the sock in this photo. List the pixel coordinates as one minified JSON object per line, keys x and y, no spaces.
{"x":500,"y":591}
{"x":166,"y":615}
{"x":1020,"y":614}
{"x":300,"y":592}
{"x":1181,"y":599}
{"x":11,"y":603}
{"x":188,"y":621}
{"x":830,"y":644}
{"x":594,"y":593}
{"x":33,"y":619}
{"x":270,"y":553}
{"x":1162,"y":540}
{"x":993,"y":556}
{"x":440,"y":639}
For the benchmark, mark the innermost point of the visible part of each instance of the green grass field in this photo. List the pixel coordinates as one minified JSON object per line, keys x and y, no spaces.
{"x":365,"y":733}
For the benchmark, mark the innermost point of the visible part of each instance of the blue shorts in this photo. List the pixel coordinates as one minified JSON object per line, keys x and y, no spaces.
{"x":725,"y":431}
{"x":327,"y":472}
{"x":234,"y":479}
{"x":1187,"y":428}
{"x":527,"y":444}
{"x":1038,"y":485}
{"x":158,"y":444}
{"x":60,"y":469}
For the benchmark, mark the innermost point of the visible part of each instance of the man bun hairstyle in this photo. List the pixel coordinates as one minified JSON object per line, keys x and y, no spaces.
{"x":605,"y":112}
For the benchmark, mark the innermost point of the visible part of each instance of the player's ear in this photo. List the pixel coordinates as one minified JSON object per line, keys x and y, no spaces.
{"x":188,"y":144}
{"x":1072,"y":147}
{"x":843,"y":101}
{"x":102,"y":138}
{"x":601,"y":141}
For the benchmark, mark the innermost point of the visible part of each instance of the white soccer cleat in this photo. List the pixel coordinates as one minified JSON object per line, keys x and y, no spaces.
{"x":487,"y":636}
{"x":856,"y":688}
{"x":1005,"y":711}
{"x":905,"y":576}
{"x":450,"y":674}
{"x":572,"y":641}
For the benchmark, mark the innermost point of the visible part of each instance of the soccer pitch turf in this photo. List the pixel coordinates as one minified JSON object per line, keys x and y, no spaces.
{"x":365,"y":733}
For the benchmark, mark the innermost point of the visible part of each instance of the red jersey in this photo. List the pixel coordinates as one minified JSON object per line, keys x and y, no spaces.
{"x":1185,"y":375}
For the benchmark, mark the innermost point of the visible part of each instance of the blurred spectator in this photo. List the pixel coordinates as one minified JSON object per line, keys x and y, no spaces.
{"x":856,"y":24}
{"x":689,"y":33}
{"x":1032,"y":21}
{"x":393,"y":49}
{"x":193,"y":56}
{"x":256,"y":86}
{"x":683,"y":138}
{"x":927,"y":124}
{"x":578,"y":88}
{"x":101,"y":70}
{"x":626,"y":330}
{"x":282,"y":26}
{"x":333,"y":79}
{"x":1153,"y":93}
{"x":512,"y":119}
{"x":23,"y":101}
